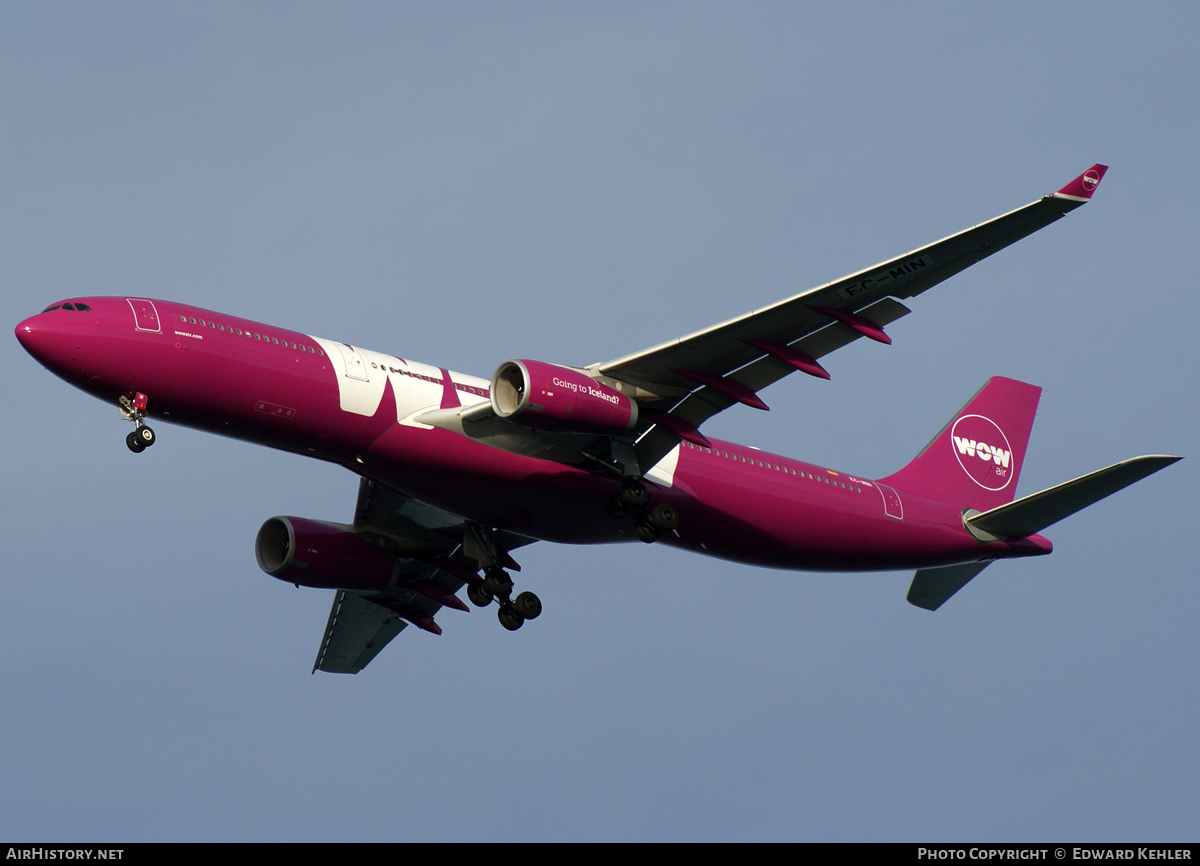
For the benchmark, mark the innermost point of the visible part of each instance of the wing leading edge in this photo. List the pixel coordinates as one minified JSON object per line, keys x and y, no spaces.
{"x":732,"y":360}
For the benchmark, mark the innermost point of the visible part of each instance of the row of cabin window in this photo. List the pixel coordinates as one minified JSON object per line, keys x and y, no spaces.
{"x":83,"y":308}
{"x":240,"y":332}
{"x":482,"y":392}
{"x":784,"y":469}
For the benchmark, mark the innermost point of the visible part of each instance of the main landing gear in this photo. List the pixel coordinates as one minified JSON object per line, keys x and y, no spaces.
{"x":650,"y":521}
{"x":142,"y":436}
{"x":497,"y":585}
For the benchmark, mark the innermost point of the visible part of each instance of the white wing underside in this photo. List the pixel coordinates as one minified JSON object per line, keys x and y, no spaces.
{"x":427,"y":541}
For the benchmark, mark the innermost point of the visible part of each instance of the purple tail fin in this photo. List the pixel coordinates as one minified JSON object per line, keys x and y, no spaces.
{"x":977,"y":457}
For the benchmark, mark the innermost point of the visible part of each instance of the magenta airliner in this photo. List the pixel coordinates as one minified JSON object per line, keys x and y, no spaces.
{"x":458,"y":472}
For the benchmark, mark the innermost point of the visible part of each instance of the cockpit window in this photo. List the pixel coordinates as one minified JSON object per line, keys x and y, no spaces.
{"x":82,"y":307}
{"x":52,"y":307}
{"x":69,"y":307}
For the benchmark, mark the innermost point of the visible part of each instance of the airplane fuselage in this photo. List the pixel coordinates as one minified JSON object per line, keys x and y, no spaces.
{"x":359,"y":408}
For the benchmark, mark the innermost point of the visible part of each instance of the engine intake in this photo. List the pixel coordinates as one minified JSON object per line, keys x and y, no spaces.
{"x":320,"y":554}
{"x":558,"y":399}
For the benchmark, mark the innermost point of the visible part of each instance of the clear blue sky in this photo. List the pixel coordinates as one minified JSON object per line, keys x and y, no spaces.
{"x":463,"y":184}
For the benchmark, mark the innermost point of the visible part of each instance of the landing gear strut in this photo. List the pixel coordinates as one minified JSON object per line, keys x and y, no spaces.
{"x":134,"y":410}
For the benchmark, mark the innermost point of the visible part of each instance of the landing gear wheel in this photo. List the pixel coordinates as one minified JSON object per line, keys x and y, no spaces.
{"x":664,"y":516}
{"x":509,"y":618}
{"x":479,"y":594}
{"x":132,"y":441}
{"x":646,"y":531}
{"x":497,"y":582}
{"x":633,"y":492}
{"x":528,"y":605}
{"x":145,"y":436}
{"x":615,"y":506}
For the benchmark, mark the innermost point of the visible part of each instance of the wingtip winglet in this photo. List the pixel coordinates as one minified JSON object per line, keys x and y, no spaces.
{"x":1082,"y":187}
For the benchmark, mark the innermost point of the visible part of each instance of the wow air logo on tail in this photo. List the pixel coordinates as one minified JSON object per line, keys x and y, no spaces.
{"x":983,"y":451}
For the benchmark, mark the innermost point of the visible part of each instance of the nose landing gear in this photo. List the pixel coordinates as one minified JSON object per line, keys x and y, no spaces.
{"x":134,"y":410}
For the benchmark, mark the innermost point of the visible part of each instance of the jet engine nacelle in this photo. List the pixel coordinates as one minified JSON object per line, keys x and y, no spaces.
{"x":559,"y":399}
{"x":320,"y":554}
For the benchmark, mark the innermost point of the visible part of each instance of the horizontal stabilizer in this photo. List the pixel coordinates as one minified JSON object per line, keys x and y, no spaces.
{"x":1034,"y":513}
{"x":931,"y":587}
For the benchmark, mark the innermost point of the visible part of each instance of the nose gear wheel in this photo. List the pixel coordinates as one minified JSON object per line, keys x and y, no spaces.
{"x":134,"y":410}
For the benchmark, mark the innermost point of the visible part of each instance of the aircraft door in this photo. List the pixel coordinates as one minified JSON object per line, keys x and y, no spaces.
{"x":145,"y":317}
{"x":892,"y":505}
{"x":355,"y":368}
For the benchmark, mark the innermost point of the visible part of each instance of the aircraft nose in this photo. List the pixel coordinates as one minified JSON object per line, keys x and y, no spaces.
{"x":40,"y":339}
{"x":30,"y":335}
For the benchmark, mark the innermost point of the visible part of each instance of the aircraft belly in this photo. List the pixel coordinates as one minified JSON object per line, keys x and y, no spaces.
{"x":775,"y":519}
{"x":540,"y":498}
{"x":764,"y":518}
